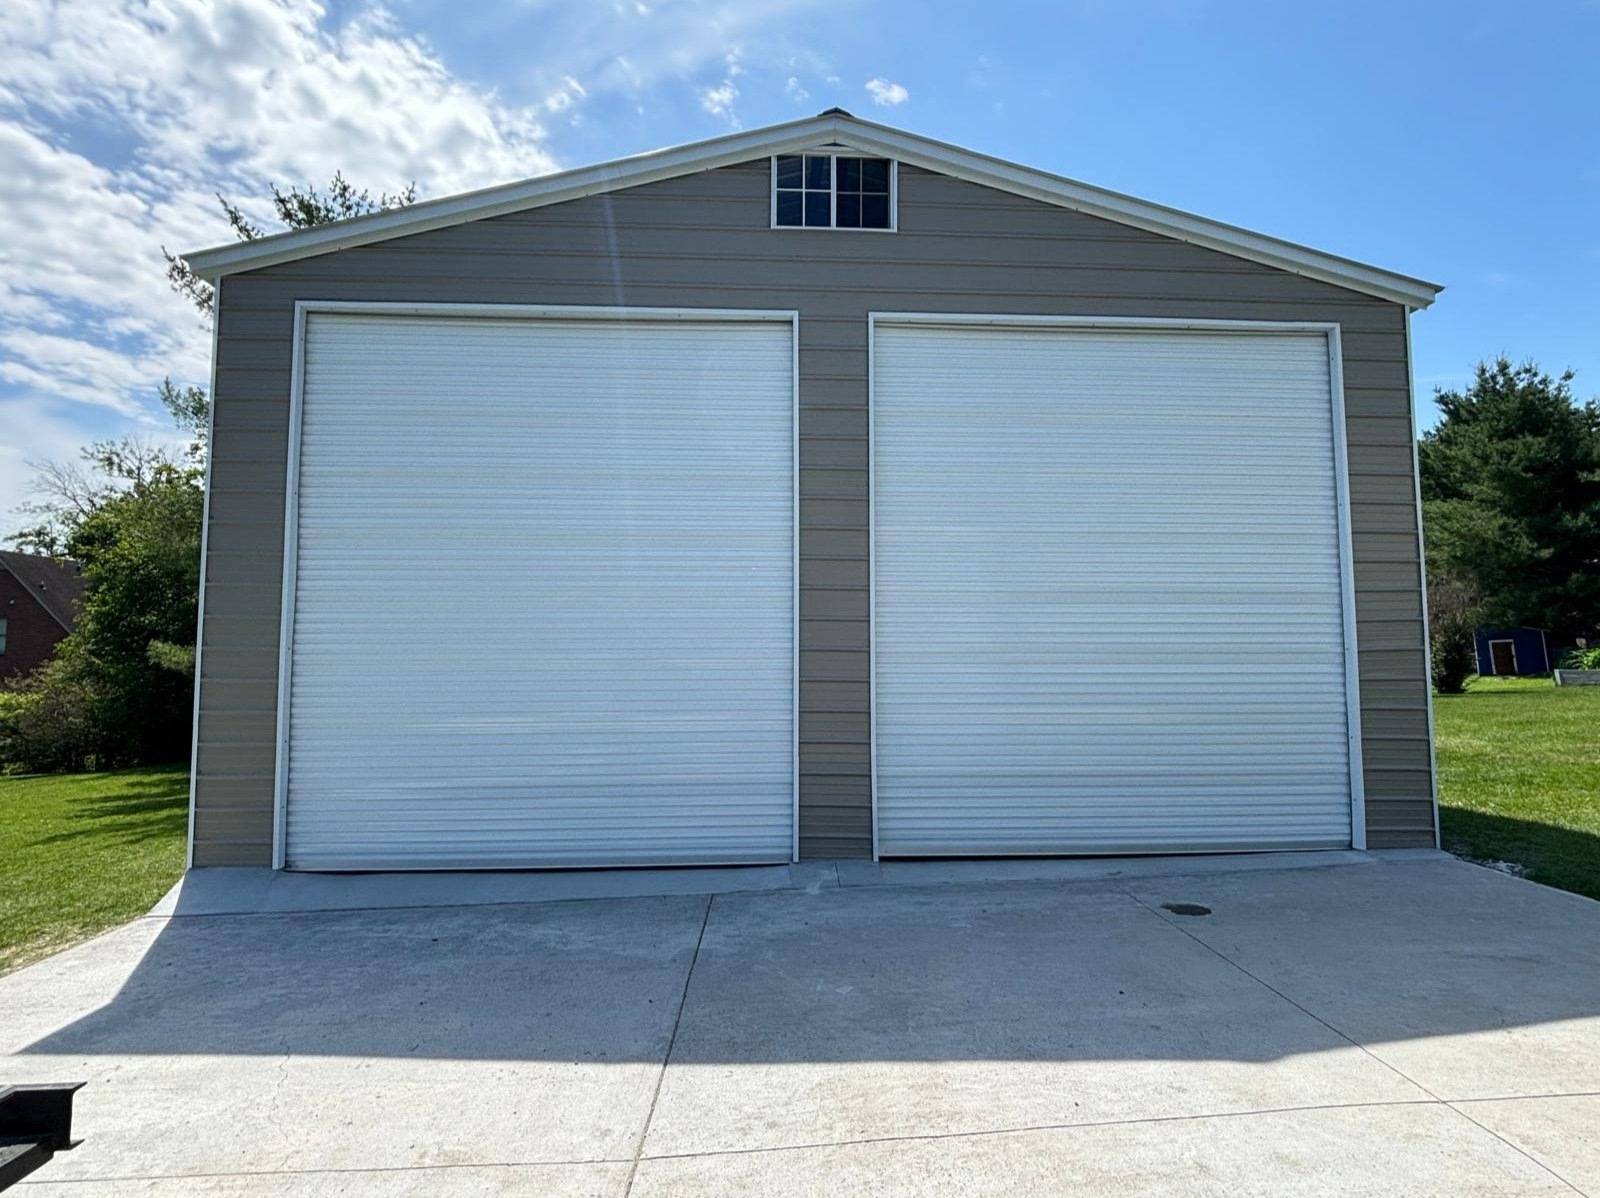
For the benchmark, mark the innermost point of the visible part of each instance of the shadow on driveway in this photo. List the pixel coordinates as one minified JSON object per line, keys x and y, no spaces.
{"x":1042,"y":971}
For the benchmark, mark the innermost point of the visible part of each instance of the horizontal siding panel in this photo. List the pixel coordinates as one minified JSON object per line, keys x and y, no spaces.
{"x":239,"y":792}
{"x":247,"y":507}
{"x":832,"y":761}
{"x":832,"y":665}
{"x":223,"y":853}
{"x":1403,"y":724}
{"x":848,"y":790}
{"x":1390,"y":784}
{"x":834,"y":422}
{"x":231,"y":759}
{"x":831,"y":694}
{"x":239,"y":566}
{"x":1393,"y":461}
{"x":256,"y":535}
{"x":1418,"y":836}
{"x":828,"y":831}
{"x":807,"y":271}
{"x":1366,"y":487}
{"x":818,"y":514}
{"x":833,"y":484}
{"x":1398,"y":548}
{"x":224,"y":660}
{"x":1401,"y":604}
{"x":1384,"y":576}
{"x":823,"y":453}
{"x":1389,"y":372}
{"x":1380,"y":430}
{"x":267,"y":445}
{"x":241,"y":599}
{"x":233,"y":727}
{"x":1388,"y":634}
{"x":230,"y":696}
{"x":832,"y":727}
{"x":244,"y":632}
{"x":834,"y":544}
{"x":834,"y":634}
{"x":1385,"y":517}
{"x":1385,"y":755}
{"x":252,"y":474}
{"x":872,"y":292}
{"x":1398,"y":664}
{"x":248,"y":420}
{"x":1374,"y":403}
{"x":833,"y":605}
{"x":833,"y":393}
{"x":834,"y":757}
{"x":833,"y":573}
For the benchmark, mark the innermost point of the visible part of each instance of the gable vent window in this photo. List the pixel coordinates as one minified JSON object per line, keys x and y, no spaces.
{"x":832,"y":191}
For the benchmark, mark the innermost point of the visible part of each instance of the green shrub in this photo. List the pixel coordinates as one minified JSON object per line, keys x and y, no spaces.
{"x":52,"y":719}
{"x":1582,"y":659}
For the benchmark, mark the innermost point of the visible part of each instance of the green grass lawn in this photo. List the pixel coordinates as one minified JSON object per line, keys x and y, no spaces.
{"x":1519,"y":777}
{"x":80,"y":853}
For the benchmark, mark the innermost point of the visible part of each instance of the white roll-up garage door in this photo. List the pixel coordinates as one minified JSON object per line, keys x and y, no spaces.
{"x":1108,"y":593}
{"x":543,"y":602}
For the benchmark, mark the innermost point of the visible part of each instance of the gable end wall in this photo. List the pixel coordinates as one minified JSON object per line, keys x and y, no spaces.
{"x":703,"y":241}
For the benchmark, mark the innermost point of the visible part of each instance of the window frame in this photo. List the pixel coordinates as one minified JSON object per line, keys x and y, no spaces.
{"x":833,"y":155}
{"x":5,"y":630}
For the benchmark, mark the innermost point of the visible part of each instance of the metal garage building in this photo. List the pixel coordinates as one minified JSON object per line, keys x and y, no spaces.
{"x":817,"y":491}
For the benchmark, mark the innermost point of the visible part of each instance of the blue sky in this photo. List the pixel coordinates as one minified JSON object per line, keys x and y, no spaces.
{"x":1455,"y":141}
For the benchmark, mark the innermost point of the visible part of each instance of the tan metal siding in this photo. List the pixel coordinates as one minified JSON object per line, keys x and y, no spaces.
{"x":703,"y":240}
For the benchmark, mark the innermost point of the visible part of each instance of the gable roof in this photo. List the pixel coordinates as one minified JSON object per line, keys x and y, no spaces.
{"x":54,"y":583}
{"x":833,"y":126}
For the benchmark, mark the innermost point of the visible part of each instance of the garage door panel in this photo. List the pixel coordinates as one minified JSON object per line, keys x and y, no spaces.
{"x":544,"y":594}
{"x":1107,"y":592}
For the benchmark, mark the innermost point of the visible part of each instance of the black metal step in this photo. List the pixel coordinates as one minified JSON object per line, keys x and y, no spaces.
{"x":35,"y":1124}
{"x":18,"y":1158}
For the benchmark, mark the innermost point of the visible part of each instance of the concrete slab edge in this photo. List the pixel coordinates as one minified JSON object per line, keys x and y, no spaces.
{"x":260,"y":891}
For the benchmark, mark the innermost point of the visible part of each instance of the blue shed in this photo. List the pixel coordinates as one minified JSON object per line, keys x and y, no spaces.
{"x":1513,"y":651}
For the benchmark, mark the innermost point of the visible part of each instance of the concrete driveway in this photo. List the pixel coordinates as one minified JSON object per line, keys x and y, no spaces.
{"x":1348,"y":1023}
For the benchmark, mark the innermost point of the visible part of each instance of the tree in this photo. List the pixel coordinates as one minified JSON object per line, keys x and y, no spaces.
{"x":1511,"y":497}
{"x":1453,"y":615}
{"x":119,"y":687}
{"x":68,"y":493}
{"x":297,"y":208}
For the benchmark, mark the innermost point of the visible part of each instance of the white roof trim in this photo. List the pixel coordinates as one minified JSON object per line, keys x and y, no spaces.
{"x":866,"y":136}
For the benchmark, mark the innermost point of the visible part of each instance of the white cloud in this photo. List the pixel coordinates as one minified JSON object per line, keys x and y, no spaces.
{"x":565,"y":96}
{"x":795,"y":92}
{"x":718,"y":101}
{"x":719,"y":98}
{"x":889,"y":95}
{"x":119,"y":121}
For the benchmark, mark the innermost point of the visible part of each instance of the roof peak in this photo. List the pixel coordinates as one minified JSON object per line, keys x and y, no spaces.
{"x":791,"y":137}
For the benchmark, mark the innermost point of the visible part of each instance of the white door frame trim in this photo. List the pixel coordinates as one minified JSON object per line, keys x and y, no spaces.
{"x":1503,"y":640}
{"x":1330,"y":330}
{"x":291,"y":501}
